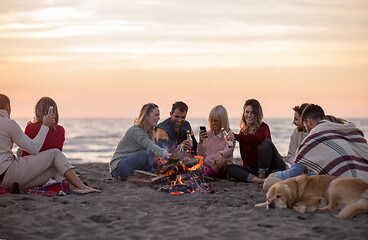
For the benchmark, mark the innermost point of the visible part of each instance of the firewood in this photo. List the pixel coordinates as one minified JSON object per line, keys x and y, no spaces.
{"x":140,"y":181}
{"x":159,"y":178}
{"x":144,"y":173}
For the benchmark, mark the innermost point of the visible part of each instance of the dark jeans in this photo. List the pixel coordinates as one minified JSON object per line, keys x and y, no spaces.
{"x":142,"y":160}
{"x":269,"y":159}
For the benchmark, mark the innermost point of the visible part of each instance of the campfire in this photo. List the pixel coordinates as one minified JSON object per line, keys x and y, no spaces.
{"x":182,"y":173}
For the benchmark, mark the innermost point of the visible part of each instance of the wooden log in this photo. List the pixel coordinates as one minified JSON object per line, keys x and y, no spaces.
{"x":140,"y":181}
{"x":144,"y":173}
{"x":177,"y":166}
{"x":159,"y":178}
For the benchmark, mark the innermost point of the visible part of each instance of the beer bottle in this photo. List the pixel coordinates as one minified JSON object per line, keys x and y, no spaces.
{"x":190,"y":141}
{"x":230,"y":144}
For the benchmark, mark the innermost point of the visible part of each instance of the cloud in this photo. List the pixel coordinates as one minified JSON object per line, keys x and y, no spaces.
{"x":186,"y":33}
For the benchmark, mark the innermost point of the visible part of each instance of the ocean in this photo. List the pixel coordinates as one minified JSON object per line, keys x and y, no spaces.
{"x":95,"y":140}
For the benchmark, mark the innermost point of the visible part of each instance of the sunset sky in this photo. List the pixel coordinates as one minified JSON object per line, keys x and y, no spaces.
{"x":108,"y":58}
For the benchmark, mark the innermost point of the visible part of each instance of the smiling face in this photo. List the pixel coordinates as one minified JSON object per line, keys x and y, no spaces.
{"x":178,"y":118}
{"x":298,"y":122}
{"x":153,"y":118}
{"x":249,"y":115}
{"x":216,"y":125}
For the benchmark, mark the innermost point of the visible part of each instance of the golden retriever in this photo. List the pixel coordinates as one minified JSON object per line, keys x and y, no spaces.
{"x":309,"y":193}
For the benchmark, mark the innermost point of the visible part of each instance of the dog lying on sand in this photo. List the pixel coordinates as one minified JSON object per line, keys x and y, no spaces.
{"x":309,"y":193}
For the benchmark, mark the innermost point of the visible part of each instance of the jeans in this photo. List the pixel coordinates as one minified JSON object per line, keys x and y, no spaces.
{"x":269,"y":159}
{"x":241,"y":173}
{"x":295,"y":170}
{"x":142,"y":160}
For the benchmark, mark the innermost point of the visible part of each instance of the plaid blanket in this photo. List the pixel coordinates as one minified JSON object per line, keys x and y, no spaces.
{"x":335,"y":149}
{"x":50,"y":190}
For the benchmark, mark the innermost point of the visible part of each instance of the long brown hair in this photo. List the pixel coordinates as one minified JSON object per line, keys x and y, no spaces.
{"x":257,"y":109}
{"x":42,"y":109}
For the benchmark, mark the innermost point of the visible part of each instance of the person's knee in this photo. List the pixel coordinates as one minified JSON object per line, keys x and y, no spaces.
{"x":230,"y":169}
{"x":54,"y":152}
{"x":121,"y":173}
{"x":267,"y":143}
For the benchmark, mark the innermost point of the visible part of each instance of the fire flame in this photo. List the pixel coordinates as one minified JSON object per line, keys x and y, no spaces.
{"x":185,"y":176}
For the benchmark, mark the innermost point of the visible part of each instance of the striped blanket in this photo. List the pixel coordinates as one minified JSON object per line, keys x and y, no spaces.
{"x":335,"y":149}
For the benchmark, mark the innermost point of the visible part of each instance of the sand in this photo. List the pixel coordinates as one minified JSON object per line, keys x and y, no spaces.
{"x":127,"y":211}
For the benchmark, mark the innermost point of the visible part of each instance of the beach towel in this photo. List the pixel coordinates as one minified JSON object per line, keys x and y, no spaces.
{"x":50,"y":190}
{"x":335,"y":149}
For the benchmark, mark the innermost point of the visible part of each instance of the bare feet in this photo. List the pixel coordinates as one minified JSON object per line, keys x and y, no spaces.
{"x":257,"y":180}
{"x":85,"y":190}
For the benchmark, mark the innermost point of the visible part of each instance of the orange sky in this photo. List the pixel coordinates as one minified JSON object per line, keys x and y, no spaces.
{"x":108,"y":58}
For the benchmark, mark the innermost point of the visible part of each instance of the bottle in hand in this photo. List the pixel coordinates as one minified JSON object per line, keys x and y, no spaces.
{"x":230,"y":144}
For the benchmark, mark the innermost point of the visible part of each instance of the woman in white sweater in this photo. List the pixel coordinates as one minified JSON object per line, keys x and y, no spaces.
{"x":136,"y":148}
{"x":35,"y":169}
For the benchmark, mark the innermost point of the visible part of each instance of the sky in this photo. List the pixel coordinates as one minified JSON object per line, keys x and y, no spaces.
{"x":105,"y":59}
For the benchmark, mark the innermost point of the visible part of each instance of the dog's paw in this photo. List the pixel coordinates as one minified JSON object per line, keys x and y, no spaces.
{"x":264,"y":204}
{"x":300,"y":208}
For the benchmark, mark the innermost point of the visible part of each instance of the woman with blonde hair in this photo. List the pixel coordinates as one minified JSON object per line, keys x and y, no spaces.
{"x":259,"y":155}
{"x":136,"y":148}
{"x":56,"y":136}
{"x":213,"y":145}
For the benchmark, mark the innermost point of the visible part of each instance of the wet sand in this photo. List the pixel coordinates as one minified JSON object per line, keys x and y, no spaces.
{"x":127,"y":211}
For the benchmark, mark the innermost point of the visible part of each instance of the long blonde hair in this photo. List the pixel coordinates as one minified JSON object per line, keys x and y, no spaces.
{"x":257,"y":109}
{"x":140,"y":121}
{"x":219,"y":113}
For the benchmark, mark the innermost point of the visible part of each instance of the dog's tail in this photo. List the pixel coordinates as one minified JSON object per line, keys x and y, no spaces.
{"x":360,"y":206}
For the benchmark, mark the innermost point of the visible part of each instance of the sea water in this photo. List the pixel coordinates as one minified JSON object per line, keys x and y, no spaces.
{"x":95,"y":140}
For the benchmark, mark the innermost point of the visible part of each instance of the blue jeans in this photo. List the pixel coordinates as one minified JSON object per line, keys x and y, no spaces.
{"x":142,"y":160}
{"x":295,"y":170}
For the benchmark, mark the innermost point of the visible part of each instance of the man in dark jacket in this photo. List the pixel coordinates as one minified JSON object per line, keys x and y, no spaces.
{"x":172,"y":133}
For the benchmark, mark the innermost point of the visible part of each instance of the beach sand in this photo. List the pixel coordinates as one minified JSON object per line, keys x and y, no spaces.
{"x":127,"y":211}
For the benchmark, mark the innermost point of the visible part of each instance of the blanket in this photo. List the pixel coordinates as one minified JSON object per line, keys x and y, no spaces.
{"x":335,"y":149}
{"x":50,"y":190}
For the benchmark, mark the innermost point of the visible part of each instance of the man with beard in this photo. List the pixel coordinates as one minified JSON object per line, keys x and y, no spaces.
{"x":298,"y":134}
{"x":172,"y":132}
{"x":333,"y":147}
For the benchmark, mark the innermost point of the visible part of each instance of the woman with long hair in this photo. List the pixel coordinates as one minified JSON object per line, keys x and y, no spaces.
{"x":136,"y":148}
{"x":258,"y":153}
{"x":213,"y":144}
{"x":56,"y":136}
{"x":35,"y":169}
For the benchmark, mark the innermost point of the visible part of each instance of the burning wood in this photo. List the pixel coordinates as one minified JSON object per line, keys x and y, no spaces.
{"x":180,"y":174}
{"x":178,"y":163}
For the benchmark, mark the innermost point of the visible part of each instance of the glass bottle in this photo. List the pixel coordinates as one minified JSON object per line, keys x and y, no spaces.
{"x":229,"y":143}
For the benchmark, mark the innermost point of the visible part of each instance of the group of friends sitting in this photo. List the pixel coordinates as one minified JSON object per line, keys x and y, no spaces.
{"x":319,"y":144}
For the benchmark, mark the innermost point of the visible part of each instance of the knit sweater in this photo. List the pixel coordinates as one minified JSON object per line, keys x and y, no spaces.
{"x":296,"y":139}
{"x":11,"y":133}
{"x":134,"y":140}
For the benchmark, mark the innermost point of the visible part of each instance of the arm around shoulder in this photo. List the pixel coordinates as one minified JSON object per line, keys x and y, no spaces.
{"x":23,"y":141}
